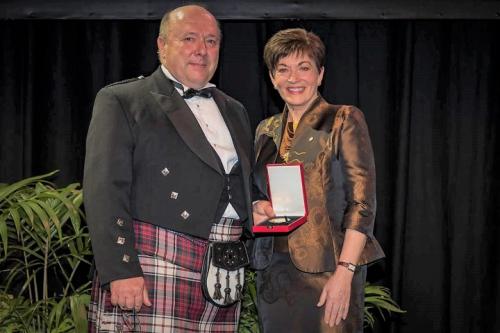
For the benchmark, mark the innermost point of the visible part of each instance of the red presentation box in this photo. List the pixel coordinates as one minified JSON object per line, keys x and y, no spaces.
{"x":288,"y":197}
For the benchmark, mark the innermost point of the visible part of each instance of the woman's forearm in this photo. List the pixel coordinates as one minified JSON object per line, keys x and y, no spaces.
{"x":354,"y":242}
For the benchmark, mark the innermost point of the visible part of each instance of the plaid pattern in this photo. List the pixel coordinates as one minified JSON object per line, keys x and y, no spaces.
{"x":171,"y":263}
{"x":226,"y":230}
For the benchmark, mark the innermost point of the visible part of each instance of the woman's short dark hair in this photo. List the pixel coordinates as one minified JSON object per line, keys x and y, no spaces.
{"x":293,"y":41}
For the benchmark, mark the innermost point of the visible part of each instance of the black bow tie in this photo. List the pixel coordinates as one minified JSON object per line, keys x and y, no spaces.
{"x":205,"y":92}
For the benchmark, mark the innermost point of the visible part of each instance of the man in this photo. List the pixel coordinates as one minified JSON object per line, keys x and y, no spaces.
{"x":166,"y":169}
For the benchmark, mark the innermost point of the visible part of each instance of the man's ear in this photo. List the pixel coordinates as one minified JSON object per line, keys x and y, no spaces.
{"x":160,"y":42}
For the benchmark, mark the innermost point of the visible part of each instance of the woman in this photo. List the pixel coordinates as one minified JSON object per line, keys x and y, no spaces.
{"x":312,"y":279}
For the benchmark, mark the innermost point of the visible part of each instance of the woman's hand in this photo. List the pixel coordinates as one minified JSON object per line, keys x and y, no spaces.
{"x":336,"y":296}
{"x":262,"y":211}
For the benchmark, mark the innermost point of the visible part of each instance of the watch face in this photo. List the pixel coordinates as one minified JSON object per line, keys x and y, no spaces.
{"x":348,"y":265}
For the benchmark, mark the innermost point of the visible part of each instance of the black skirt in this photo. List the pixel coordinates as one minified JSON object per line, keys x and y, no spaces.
{"x":287,"y":298}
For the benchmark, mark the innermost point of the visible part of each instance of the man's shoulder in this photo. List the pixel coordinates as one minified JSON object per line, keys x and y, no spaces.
{"x":125,"y":90}
{"x":233,"y":101}
{"x":132,"y":82}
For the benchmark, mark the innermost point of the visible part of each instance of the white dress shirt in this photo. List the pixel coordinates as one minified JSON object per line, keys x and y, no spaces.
{"x":214,"y":127}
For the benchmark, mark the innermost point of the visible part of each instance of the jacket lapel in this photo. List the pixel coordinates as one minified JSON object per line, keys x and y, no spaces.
{"x":312,"y":133}
{"x":313,"y":127}
{"x":236,"y":129}
{"x":183,"y":119}
{"x":271,"y":128}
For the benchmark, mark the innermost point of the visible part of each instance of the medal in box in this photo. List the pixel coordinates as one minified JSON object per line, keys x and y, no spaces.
{"x":288,"y":197}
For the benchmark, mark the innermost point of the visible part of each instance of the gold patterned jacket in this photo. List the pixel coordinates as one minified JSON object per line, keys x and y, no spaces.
{"x":333,"y":143}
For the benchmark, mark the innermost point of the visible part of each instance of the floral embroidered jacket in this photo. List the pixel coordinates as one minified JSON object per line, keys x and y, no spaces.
{"x":333,"y":143}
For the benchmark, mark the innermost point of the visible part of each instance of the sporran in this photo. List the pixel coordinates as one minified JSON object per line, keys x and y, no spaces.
{"x":223,"y":273}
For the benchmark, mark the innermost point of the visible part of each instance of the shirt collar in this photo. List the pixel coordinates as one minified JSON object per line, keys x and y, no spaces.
{"x":171,"y":77}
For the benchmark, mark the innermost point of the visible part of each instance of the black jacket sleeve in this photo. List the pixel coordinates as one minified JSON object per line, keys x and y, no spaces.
{"x":107,"y":186}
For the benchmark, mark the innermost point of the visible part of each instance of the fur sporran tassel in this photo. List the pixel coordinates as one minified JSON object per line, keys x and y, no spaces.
{"x":217,"y":292}
{"x":227,"y":291}
{"x":238,"y":286}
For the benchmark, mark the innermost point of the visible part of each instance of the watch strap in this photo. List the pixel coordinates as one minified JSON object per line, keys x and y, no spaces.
{"x":349,"y":265}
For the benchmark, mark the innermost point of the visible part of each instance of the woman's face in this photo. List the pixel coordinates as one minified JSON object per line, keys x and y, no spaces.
{"x":297,"y":79}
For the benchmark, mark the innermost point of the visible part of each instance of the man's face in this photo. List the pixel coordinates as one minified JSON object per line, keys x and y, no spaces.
{"x":190,"y":51}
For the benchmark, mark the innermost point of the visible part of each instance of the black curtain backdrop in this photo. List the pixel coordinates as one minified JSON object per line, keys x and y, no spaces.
{"x":430,"y":93}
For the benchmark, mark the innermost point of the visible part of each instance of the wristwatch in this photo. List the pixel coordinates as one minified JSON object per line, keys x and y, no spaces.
{"x":349,"y":265}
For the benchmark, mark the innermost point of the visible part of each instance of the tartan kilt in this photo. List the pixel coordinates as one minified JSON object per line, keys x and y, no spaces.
{"x":171,"y":264}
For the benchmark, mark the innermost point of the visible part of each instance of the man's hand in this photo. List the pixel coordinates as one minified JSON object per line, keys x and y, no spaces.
{"x":262,"y":211}
{"x":129,"y":293}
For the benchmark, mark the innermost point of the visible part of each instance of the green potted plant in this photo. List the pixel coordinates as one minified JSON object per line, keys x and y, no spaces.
{"x":44,"y":257}
{"x":378,"y":301}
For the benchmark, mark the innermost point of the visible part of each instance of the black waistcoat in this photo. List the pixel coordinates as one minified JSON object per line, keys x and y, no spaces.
{"x":232,"y":193}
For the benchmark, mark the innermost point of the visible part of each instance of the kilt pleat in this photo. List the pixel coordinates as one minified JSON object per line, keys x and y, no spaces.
{"x":171,"y":264}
